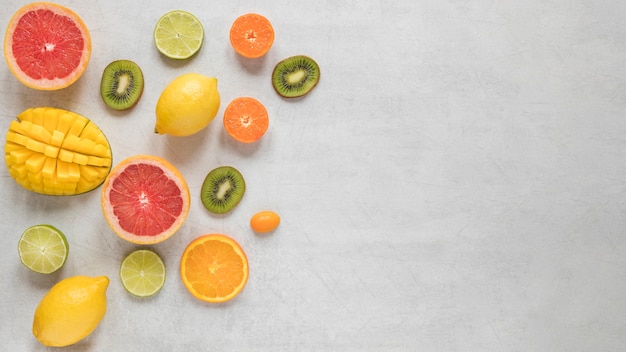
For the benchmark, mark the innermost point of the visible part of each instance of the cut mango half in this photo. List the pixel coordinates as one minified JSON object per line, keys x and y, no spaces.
{"x":56,"y":152}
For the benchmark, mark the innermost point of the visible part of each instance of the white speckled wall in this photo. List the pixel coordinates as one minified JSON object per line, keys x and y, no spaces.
{"x":455,"y":182}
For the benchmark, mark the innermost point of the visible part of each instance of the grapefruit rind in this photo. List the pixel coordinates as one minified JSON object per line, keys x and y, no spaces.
{"x":109,"y":210}
{"x":45,"y":83}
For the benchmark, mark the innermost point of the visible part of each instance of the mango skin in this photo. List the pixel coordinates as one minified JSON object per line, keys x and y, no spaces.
{"x":56,"y":152}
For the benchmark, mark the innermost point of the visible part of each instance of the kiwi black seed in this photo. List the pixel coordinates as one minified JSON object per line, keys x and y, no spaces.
{"x":222,"y":189}
{"x":121,"y":85}
{"x":295,"y":76}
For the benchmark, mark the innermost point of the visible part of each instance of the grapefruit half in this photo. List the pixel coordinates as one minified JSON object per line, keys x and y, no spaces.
{"x":145,"y":199}
{"x":47,"y":46}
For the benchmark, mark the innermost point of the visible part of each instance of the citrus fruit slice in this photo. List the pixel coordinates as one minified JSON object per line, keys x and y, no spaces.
{"x":178,"y":34}
{"x":145,"y":199}
{"x":246,"y":119}
{"x":142,"y":273}
{"x":43,"y":248}
{"x":214,"y":268}
{"x":251,"y":35}
{"x":56,"y":152}
{"x":47,"y":46}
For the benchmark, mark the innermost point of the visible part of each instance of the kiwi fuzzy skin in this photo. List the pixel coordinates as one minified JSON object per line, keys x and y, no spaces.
{"x":291,"y":64}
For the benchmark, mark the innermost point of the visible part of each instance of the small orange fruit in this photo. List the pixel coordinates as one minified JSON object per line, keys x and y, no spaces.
{"x":246,"y":119}
{"x":145,"y":199}
{"x":264,"y":221}
{"x":47,"y":46}
{"x":214,"y":268}
{"x":251,"y":35}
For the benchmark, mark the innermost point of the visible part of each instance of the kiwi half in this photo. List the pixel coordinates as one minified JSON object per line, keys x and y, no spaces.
{"x":222,"y":189}
{"x":121,"y":85}
{"x":295,"y":76}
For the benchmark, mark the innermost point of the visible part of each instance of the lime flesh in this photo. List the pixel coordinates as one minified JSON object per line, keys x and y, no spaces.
{"x":178,"y":34}
{"x":43,"y":249}
{"x":142,"y":273}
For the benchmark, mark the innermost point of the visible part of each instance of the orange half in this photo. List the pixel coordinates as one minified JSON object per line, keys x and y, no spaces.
{"x":251,"y":35}
{"x":214,"y":268}
{"x":246,"y":119}
{"x":46,"y":46}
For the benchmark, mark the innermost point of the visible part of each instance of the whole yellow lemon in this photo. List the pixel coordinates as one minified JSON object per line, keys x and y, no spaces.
{"x":187,"y":105}
{"x":71,"y":310}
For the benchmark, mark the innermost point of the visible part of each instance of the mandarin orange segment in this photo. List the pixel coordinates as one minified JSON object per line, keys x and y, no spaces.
{"x":246,"y":119}
{"x":251,"y":35}
{"x":214,"y":268}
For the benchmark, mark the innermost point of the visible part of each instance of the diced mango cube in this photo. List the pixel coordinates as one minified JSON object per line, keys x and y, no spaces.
{"x":57,"y":138}
{"x":36,"y":187}
{"x":63,"y":170}
{"x":66,"y":120}
{"x":18,"y":171}
{"x":67,"y":188}
{"x":80,"y":159}
{"x":35,"y":146}
{"x":35,"y":178}
{"x":50,"y":119}
{"x":101,"y":151}
{"x":37,"y":115}
{"x":10,"y":147}
{"x":77,"y":126}
{"x":89,"y":173}
{"x":91,"y":131}
{"x":65,"y":155}
{"x":20,"y":156}
{"x":16,"y":126}
{"x":17,"y":138}
{"x":25,"y":126}
{"x":73,"y":173}
{"x":35,"y":163}
{"x":86,"y":146}
{"x":70,"y":142}
{"x":51,"y":151}
{"x":38,"y":133}
{"x":97,"y":161}
{"x":49,"y":168}
{"x":102,"y":139}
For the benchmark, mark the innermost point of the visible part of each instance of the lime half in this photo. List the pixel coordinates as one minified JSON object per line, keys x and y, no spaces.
{"x":43,"y":249}
{"x":178,"y":34}
{"x":142,"y":273}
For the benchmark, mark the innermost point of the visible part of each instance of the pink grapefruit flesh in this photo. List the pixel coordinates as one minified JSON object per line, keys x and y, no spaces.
{"x":145,"y":199}
{"x":47,"y":46}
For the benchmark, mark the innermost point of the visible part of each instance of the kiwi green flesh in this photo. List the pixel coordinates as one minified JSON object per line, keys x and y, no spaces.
{"x":222,"y":189}
{"x":122,"y":84}
{"x":295,"y":76}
